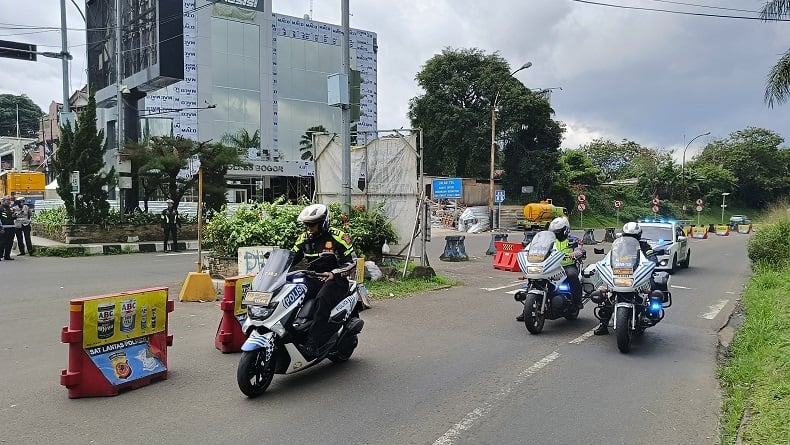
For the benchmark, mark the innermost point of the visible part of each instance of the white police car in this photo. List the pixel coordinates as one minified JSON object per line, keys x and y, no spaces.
{"x":669,"y":236}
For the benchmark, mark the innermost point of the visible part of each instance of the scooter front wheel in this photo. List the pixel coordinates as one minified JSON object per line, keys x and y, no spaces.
{"x":623,"y":329}
{"x":255,"y":373}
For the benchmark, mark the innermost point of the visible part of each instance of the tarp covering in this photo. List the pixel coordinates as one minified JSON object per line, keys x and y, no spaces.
{"x":385,"y":170}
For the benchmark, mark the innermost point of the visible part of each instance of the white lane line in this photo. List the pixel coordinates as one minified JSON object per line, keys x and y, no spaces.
{"x":714,"y":310}
{"x":513,"y":292}
{"x":491,"y":289}
{"x":682,"y":287}
{"x":481,"y":411}
{"x":582,"y":337}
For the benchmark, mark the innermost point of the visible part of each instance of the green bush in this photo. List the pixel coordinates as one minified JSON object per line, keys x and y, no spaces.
{"x":770,"y":245}
{"x":274,"y":224}
{"x":52,"y":217}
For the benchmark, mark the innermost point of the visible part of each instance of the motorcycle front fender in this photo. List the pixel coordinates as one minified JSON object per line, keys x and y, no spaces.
{"x":629,"y":306}
{"x":258,"y":341}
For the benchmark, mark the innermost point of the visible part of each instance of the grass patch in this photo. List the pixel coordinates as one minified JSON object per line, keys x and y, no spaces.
{"x":756,"y":379}
{"x":63,"y":252}
{"x":398,"y":288}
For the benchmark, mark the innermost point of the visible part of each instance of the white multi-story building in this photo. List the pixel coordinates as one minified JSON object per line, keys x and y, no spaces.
{"x":244,"y":67}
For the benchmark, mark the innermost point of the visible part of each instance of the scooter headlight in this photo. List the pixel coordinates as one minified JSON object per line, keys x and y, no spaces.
{"x":535,"y":269}
{"x":260,"y":312}
{"x":623,"y":282}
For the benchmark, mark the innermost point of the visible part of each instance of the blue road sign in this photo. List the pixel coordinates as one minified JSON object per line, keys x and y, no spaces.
{"x":499,"y":196}
{"x":447,"y":188}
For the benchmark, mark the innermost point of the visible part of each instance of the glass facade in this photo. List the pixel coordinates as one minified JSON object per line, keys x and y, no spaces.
{"x":236,"y":69}
{"x":302,"y":69}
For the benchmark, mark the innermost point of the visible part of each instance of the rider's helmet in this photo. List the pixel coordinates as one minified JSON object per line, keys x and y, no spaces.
{"x":315,"y":214}
{"x":560,"y":227}
{"x":632,"y":229}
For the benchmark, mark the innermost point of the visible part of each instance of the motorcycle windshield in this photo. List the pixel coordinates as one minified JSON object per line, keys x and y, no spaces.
{"x":625,"y":255}
{"x":541,"y":246}
{"x":274,"y":272}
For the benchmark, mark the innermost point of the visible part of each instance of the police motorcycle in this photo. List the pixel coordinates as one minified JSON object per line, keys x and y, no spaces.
{"x":546,"y":294}
{"x":279,"y":319}
{"x":624,"y":286}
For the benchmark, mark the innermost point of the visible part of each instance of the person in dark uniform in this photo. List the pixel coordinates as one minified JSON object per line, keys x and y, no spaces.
{"x":319,"y":237}
{"x":24,"y":216}
{"x":170,"y":225}
{"x":9,"y":230}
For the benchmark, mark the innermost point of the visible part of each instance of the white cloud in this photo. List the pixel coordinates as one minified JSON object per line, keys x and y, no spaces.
{"x":645,"y":76}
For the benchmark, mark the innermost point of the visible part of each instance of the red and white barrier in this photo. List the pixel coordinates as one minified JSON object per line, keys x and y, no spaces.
{"x":506,"y":256}
{"x":116,"y":342}
{"x":229,"y":336}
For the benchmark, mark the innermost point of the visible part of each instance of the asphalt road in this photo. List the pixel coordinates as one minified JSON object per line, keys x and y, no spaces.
{"x":444,"y":367}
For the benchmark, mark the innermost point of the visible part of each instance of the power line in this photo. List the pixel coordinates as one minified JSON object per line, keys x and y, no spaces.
{"x":669,"y":11}
{"x":705,"y":6}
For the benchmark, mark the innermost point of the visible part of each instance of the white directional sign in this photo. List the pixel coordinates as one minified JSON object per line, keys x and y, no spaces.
{"x":75,"y":182}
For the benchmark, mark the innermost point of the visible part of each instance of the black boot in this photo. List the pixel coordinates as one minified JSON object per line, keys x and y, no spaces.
{"x":520,"y":317}
{"x":602,"y":328}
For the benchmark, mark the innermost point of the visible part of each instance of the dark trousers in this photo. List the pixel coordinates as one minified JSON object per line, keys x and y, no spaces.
{"x":171,"y":230}
{"x":7,"y":241}
{"x":329,"y":295}
{"x":23,"y":239}
{"x":573,"y":280}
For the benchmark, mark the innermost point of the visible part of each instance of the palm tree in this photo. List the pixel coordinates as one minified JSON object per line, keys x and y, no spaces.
{"x":306,"y":142}
{"x":778,"y":87}
{"x":242,"y":139}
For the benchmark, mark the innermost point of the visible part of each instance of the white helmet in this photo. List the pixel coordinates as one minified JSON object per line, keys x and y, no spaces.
{"x":632,"y":229}
{"x":315,"y":214}
{"x":559,"y":226}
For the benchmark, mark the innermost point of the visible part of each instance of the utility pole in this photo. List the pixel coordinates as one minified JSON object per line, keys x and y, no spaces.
{"x":119,"y":97}
{"x":65,"y":114}
{"x":345,"y":119}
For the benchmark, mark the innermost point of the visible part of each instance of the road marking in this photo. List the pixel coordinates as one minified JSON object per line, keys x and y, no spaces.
{"x":478,"y":413}
{"x":715,"y":309}
{"x":682,"y":287}
{"x":582,"y":337}
{"x":514,"y":291}
{"x":490,"y":289}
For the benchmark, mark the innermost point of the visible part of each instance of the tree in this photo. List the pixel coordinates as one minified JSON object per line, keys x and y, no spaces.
{"x":163,"y":161}
{"x":460,"y":87}
{"x":616,"y":161}
{"x":29,"y":116}
{"x":531,"y":152}
{"x":243,"y":140}
{"x":306,"y":142}
{"x":778,"y":86}
{"x":81,"y":150}
{"x":754,"y":158}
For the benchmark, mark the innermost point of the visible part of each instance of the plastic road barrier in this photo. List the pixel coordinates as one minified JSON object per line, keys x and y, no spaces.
{"x":589,"y":237}
{"x":744,"y":228}
{"x":495,"y":237}
{"x":116,"y":342}
{"x":699,"y":232}
{"x":722,"y":230}
{"x":506,"y":256}
{"x":454,"y":250}
{"x":229,"y":336}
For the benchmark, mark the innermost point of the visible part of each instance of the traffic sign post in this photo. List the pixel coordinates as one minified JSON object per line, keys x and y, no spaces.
{"x":75,"y":189}
{"x":499,"y":197}
{"x":582,"y":207}
{"x":656,"y":202}
{"x":617,"y":205}
{"x":699,"y":209}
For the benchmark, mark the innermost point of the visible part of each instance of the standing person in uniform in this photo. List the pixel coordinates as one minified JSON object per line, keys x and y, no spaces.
{"x":319,"y":237}
{"x":24,"y":215}
{"x":170,"y":224}
{"x":8,"y":229}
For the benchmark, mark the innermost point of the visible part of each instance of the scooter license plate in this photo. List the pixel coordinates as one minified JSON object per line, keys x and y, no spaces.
{"x":257,"y":298}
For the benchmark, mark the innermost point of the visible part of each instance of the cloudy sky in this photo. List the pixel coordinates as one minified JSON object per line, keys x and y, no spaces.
{"x":648,"y":76}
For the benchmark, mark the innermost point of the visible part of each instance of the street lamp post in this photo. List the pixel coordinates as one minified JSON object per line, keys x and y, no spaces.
{"x":493,"y":141}
{"x":723,"y":197}
{"x":683,"y":167}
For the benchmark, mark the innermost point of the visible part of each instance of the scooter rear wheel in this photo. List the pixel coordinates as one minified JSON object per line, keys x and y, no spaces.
{"x":255,"y":373}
